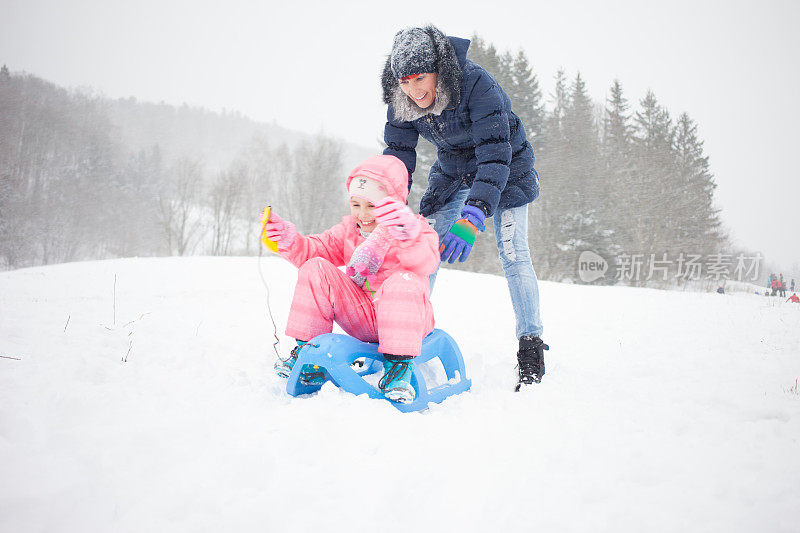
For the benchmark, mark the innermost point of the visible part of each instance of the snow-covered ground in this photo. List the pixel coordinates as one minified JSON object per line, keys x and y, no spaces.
{"x":152,"y":406}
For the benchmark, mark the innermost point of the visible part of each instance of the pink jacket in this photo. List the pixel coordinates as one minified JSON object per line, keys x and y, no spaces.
{"x":419,"y":256}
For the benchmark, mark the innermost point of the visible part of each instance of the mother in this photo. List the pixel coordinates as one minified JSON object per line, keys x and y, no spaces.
{"x":484,"y":166}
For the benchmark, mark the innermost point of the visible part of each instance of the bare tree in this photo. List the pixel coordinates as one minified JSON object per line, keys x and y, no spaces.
{"x":226,"y":195}
{"x":260,"y":188}
{"x":178,"y":206}
{"x":316,"y":191}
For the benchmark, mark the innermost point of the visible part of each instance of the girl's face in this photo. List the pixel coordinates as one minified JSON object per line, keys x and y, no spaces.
{"x":362,"y":210}
{"x":421,"y":89}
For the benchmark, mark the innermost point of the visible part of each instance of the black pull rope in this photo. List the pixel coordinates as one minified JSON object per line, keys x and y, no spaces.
{"x":266,"y":286}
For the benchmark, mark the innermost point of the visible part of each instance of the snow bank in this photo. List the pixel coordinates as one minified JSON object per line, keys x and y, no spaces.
{"x":152,"y":407}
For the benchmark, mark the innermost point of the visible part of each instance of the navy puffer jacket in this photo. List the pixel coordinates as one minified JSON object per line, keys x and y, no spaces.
{"x":480,"y":141}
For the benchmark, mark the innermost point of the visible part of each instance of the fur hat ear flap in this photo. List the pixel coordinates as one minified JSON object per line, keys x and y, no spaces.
{"x":388,"y":82}
{"x":449,"y":68}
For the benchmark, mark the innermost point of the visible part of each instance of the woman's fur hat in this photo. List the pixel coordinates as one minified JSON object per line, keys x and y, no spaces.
{"x":414,"y":51}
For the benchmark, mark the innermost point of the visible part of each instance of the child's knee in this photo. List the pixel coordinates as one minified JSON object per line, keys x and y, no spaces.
{"x":404,"y":283}
{"x":314,"y":269}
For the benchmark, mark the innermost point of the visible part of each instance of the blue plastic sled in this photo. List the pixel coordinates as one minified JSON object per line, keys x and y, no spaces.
{"x":336,"y":354}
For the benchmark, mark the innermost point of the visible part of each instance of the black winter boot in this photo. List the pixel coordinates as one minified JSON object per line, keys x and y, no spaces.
{"x":530,"y":358}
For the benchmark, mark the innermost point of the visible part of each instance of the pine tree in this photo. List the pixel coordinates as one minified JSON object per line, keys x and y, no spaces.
{"x":548,"y":221}
{"x":654,"y":128}
{"x":617,"y":131}
{"x":618,"y":167}
{"x":653,"y":194}
{"x":579,"y":124}
{"x":505,"y":73}
{"x":515,"y":76}
{"x":585,"y":226}
{"x":485,"y":56}
{"x":700,"y":226}
{"x":554,"y":124}
{"x":526,"y":99}
{"x":477,"y":50}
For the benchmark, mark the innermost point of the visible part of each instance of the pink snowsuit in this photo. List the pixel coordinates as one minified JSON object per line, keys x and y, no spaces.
{"x":400,"y":314}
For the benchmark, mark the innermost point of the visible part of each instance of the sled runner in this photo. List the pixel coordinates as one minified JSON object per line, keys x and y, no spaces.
{"x":336,"y":354}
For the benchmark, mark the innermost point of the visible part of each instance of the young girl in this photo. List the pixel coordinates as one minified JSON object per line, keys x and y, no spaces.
{"x":382,"y":296}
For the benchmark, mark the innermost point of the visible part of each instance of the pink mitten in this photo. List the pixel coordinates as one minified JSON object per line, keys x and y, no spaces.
{"x":280,"y":231}
{"x":368,"y":257}
{"x":398,"y":217}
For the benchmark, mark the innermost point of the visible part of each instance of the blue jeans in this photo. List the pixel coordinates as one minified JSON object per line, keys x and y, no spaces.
{"x":511,"y":234}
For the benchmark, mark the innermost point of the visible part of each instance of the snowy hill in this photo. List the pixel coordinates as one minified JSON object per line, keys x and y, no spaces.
{"x":152,"y":406}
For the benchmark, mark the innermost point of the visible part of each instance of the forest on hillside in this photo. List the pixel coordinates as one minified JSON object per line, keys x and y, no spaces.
{"x":85,"y":177}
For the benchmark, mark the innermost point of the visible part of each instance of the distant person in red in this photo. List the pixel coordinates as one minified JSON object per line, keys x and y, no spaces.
{"x":793,"y":298}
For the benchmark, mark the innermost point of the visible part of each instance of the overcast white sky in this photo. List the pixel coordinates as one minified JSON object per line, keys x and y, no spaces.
{"x":314,"y":66}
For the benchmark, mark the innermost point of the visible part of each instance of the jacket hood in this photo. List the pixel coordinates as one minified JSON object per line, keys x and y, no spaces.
{"x":450,"y":57}
{"x":387,"y":170}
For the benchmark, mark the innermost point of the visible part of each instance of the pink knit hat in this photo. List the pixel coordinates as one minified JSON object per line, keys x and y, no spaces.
{"x":368,"y":189}
{"x":385,"y":175}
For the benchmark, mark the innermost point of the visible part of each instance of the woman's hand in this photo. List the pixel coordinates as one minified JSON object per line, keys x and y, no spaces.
{"x":280,"y":231}
{"x":458,"y":242}
{"x":398,"y":217}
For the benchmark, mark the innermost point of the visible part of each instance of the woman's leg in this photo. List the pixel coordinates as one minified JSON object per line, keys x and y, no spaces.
{"x":324,"y":294}
{"x":511,"y":233}
{"x":443,"y":219}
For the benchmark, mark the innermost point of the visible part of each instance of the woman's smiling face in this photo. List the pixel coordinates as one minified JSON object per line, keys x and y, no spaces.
{"x":421,"y":88}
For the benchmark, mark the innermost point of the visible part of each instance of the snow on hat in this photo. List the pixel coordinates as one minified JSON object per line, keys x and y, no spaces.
{"x":413,"y":52}
{"x":368,"y":189}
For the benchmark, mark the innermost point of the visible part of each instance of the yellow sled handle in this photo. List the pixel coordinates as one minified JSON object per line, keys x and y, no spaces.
{"x":270,"y":244}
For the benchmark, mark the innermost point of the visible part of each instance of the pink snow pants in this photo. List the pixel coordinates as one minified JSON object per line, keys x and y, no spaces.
{"x":398,"y":318}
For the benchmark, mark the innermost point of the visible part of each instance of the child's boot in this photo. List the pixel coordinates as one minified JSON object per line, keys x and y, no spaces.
{"x":309,"y":374}
{"x":283,"y":367}
{"x":396,"y":380}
